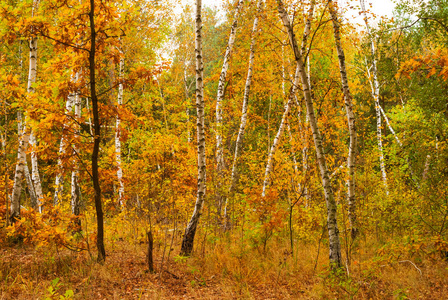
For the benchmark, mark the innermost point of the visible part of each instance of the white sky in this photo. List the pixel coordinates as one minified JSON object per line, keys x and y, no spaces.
{"x":379,"y":7}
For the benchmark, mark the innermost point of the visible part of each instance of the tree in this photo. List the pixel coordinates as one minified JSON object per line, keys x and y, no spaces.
{"x":333,"y":231}
{"x":351,"y":163}
{"x":190,"y":231}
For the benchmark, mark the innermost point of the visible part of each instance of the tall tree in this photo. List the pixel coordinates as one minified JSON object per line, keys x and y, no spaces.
{"x":190,"y":231}
{"x":24,"y":136}
{"x":375,"y":87}
{"x":333,"y":231}
{"x":351,"y":164}
{"x":118,"y":135}
{"x":219,"y":99}
{"x":96,"y":136}
{"x":243,"y":122}
{"x":59,"y":181}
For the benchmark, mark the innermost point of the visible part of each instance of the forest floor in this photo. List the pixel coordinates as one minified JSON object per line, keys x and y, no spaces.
{"x":215,"y":271}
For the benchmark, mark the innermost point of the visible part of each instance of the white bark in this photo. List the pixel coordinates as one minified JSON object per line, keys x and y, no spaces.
{"x":280,"y":132}
{"x":35,"y":172}
{"x":187,"y":102}
{"x":190,"y":231}
{"x":29,"y":183}
{"x":24,"y":137}
{"x":351,"y":164}
{"x":219,"y":99}
{"x":241,"y":131}
{"x":333,"y":232}
{"x":375,"y":93}
{"x":288,"y":105}
{"x":75,"y":188}
{"x":118,"y":135}
{"x":59,"y":181}
{"x":390,"y":126}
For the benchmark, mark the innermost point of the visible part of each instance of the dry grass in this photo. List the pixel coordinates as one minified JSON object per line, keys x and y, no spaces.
{"x":224,"y":268}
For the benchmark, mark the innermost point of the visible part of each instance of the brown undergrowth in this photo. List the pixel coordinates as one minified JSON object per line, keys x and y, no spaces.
{"x":224,"y":267}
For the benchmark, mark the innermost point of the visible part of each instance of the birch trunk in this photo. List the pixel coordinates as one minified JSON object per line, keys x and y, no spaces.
{"x":35,"y":172}
{"x":75,"y":188}
{"x":29,"y":183}
{"x":279,"y":132}
{"x":333,"y":232}
{"x":390,"y":126}
{"x":117,"y":137}
{"x":23,"y":138}
{"x":219,"y":98}
{"x":190,"y":231}
{"x":240,"y":137}
{"x":303,"y":130}
{"x":351,"y":164}
{"x":187,"y":101}
{"x":273,"y":149}
{"x":375,"y":94}
{"x":59,"y":181}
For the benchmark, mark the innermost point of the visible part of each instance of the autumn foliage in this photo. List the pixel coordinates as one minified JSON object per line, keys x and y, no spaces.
{"x":262,"y":232}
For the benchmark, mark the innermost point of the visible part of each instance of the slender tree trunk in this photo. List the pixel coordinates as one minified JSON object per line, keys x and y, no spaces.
{"x":75,"y":188}
{"x":288,"y":105}
{"x":59,"y":181}
{"x":333,"y":232}
{"x":35,"y":171}
{"x":390,"y":126}
{"x":219,"y":99}
{"x":24,"y":137}
{"x":240,"y":137}
{"x":281,"y":128}
{"x":187,"y":101}
{"x":190,"y":231}
{"x":118,"y":135}
{"x":303,"y":129}
{"x":29,"y":183}
{"x":96,"y":138}
{"x":351,"y":163}
{"x":375,"y":94}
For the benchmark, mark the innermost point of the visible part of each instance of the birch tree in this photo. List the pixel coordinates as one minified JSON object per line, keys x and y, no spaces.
{"x":351,"y":164}
{"x":75,"y":188}
{"x":118,"y":135}
{"x":289,"y":103}
{"x":333,"y":231}
{"x":279,"y":134}
{"x":242,"y":128}
{"x":59,"y":181}
{"x":190,"y":231}
{"x":24,"y":136}
{"x":375,"y":88}
{"x":219,"y":99}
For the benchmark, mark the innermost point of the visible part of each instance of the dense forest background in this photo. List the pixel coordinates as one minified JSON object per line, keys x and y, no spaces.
{"x":270,"y":150}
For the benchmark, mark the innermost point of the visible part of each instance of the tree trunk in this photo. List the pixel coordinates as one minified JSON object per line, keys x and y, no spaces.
{"x":75,"y":188}
{"x":240,"y":137}
{"x":375,"y":93}
{"x":351,"y":163}
{"x":59,"y":181}
{"x":281,"y":128}
{"x":273,"y":149}
{"x":35,"y":171}
{"x":190,"y":231}
{"x":219,"y":98}
{"x":118,"y":135}
{"x":29,"y":183}
{"x":24,"y":138}
{"x":96,"y":138}
{"x":333,"y":232}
